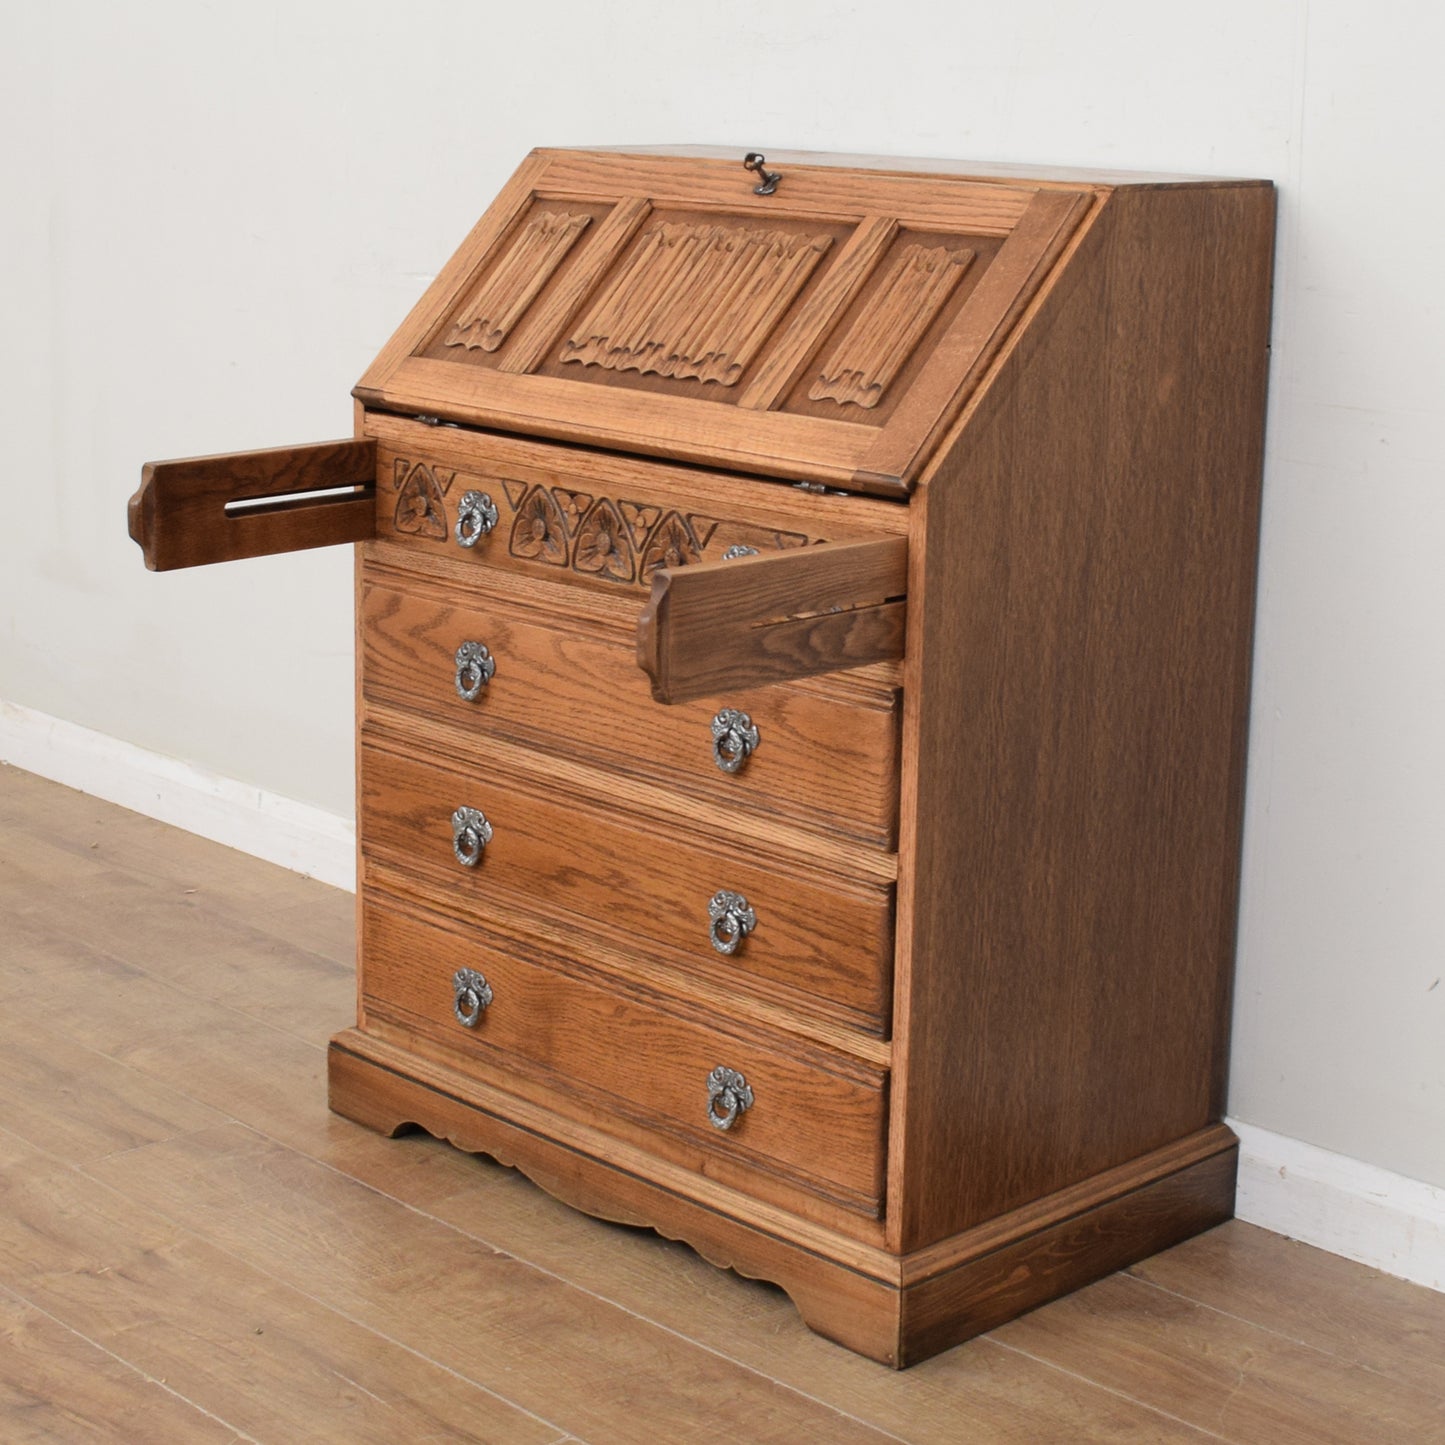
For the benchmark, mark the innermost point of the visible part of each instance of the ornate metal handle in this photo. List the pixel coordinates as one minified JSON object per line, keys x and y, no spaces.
{"x":733,"y":739}
{"x":728,"y":1096}
{"x":475,"y":669}
{"x":470,"y":834}
{"x":732,"y":920}
{"x":476,"y":516}
{"x":471,"y":995}
{"x":739,"y":549}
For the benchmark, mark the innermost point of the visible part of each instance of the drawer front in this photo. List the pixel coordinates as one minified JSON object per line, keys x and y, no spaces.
{"x":816,"y":760}
{"x":601,"y":872}
{"x":629,"y":1065}
{"x":596,"y":520}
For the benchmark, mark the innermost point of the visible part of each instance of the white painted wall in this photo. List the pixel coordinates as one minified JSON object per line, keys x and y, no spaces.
{"x":215,"y":214}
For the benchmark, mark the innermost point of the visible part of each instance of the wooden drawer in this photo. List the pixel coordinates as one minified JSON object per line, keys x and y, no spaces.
{"x":819,"y":943}
{"x":594,"y":519}
{"x":573,"y":686}
{"x":634,"y":1065}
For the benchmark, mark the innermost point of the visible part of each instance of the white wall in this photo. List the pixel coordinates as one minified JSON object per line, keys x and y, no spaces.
{"x":215,"y":214}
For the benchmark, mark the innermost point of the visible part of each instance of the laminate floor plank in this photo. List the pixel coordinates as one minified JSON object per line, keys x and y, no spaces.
{"x":978,"y":1392}
{"x":604,"y":1373}
{"x":175,"y":934}
{"x":57,"y":1386}
{"x":1358,"y":1315}
{"x":171,"y":1181}
{"x":257,"y":1352}
{"x":79,"y":1104}
{"x":1219,"y":1372}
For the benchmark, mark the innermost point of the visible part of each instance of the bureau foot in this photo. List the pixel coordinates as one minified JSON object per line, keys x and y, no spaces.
{"x":897,"y":1310}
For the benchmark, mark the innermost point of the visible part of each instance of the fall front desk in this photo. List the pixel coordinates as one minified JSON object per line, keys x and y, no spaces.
{"x":804,"y":615}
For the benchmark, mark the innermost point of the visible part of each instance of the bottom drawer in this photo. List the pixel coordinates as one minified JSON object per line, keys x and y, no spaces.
{"x":638,"y":1066}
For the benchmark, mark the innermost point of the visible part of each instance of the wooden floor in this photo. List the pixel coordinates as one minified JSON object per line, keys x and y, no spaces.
{"x":193,"y":1249}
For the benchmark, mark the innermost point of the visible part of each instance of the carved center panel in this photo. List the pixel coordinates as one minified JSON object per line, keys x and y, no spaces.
{"x":695,"y":302}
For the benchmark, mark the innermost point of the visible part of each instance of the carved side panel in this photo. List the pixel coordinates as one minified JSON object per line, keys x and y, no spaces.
{"x":695,"y":301}
{"x":891,"y":323}
{"x":503,"y":295}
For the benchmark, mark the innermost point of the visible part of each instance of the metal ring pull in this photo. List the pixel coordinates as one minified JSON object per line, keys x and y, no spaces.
{"x":475,"y":669}
{"x":728,"y":1096}
{"x":733,"y":739}
{"x":476,"y":516}
{"x":471,"y":996}
{"x":767,"y":180}
{"x":739,"y":549}
{"x":470,"y":835}
{"x":732,"y":920}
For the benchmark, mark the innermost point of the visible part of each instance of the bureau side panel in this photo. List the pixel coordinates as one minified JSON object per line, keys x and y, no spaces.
{"x":1075,"y":721}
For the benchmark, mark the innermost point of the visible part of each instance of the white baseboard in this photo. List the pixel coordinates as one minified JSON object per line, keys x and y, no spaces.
{"x":1339,"y":1204}
{"x":1343,"y":1205}
{"x":297,"y":836}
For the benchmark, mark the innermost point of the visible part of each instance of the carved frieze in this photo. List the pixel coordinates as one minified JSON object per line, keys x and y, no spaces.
{"x":614,"y":539}
{"x":420,"y":508}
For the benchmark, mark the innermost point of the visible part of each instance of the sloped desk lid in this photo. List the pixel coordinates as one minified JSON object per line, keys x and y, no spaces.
{"x":656,"y":304}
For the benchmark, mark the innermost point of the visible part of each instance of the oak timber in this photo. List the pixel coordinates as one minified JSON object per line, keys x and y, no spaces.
{"x":191,"y":512}
{"x":756,"y":620}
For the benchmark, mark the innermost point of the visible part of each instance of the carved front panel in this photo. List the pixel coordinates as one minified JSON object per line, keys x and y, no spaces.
{"x":890,"y":325}
{"x":695,"y":301}
{"x":546,"y":525}
{"x":496,"y":304}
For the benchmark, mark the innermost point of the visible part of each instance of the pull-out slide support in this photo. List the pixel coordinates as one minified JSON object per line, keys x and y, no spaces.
{"x":249,"y":504}
{"x":718,"y":626}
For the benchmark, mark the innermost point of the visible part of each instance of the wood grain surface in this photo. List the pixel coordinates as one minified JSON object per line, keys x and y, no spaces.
{"x":1080,"y":607}
{"x":634,"y":1066}
{"x":717,"y":626}
{"x":250,"y":504}
{"x":823,"y":762}
{"x":604,"y":874}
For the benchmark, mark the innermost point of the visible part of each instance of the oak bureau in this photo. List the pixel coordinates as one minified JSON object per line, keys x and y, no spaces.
{"x":803,"y":639}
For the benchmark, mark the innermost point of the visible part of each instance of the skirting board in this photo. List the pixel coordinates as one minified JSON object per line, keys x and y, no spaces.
{"x":302,"y":838}
{"x":1335,"y":1203}
{"x":1343,"y":1205}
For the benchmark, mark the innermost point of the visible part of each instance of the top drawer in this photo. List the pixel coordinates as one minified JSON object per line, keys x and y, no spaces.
{"x":822,"y":754}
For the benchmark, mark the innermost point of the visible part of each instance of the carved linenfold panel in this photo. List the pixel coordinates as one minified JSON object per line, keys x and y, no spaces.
{"x":503,"y":295}
{"x":420,"y":509}
{"x":890,"y":324}
{"x":695,"y":302}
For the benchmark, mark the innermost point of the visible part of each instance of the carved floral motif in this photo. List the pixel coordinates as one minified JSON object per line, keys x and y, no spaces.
{"x":671,"y":544}
{"x":420,"y":510}
{"x":603,"y":547}
{"x":539,"y":532}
